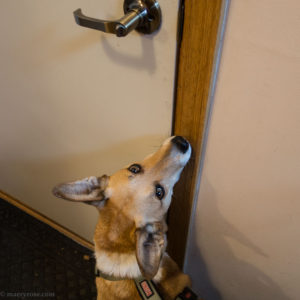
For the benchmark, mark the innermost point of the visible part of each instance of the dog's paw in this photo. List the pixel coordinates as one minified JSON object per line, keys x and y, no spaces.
{"x":150,"y":245}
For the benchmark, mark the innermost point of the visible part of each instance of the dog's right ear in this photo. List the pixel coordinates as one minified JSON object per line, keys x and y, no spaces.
{"x":90,"y":190}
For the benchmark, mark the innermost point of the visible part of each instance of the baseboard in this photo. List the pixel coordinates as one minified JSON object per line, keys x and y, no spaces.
{"x":46,"y":220}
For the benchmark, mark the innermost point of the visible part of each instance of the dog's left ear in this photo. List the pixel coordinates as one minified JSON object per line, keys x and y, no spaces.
{"x":90,"y":190}
{"x":150,"y":246}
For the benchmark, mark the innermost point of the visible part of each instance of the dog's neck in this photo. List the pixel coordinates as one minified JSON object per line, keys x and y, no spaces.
{"x":115,"y":244}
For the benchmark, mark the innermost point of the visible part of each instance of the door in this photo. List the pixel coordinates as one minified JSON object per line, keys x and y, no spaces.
{"x":77,"y":102}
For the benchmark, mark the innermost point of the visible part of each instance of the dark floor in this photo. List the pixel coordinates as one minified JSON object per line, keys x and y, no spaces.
{"x":38,"y":262}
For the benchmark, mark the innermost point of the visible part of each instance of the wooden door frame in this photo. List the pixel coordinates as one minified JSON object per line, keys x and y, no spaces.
{"x":198,"y":60}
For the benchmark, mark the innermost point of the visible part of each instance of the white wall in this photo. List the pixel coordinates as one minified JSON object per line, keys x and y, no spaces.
{"x":245,"y":240}
{"x":76,"y":102}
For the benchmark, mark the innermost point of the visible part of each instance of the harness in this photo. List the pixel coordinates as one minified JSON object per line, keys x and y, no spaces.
{"x":147,"y":289}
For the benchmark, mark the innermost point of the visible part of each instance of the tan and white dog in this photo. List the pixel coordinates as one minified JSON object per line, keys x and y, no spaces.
{"x":130,"y":237}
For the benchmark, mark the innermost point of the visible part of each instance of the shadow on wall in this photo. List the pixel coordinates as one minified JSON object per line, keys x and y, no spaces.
{"x":142,"y":60}
{"x":217,"y":273}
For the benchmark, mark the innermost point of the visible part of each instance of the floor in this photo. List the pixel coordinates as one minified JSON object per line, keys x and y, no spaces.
{"x":38,"y":262}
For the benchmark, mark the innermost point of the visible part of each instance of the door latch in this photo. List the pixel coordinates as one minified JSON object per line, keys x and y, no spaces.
{"x":142,"y":15}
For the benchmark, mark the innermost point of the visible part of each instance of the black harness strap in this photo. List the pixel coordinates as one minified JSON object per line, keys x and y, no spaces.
{"x":147,"y":289}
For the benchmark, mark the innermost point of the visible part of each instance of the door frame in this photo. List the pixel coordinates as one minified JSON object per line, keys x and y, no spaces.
{"x":201,"y":32}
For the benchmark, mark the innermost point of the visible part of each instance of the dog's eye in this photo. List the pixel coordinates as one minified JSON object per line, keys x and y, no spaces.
{"x":135,"y":168}
{"x":159,"y":191}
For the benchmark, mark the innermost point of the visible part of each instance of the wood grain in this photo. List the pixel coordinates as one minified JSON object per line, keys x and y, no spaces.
{"x":202,"y":31}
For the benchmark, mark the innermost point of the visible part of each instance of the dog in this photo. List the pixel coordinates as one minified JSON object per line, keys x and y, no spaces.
{"x":130,"y":237}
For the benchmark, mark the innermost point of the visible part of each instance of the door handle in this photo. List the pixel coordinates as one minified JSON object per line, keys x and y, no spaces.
{"x":142,"y":15}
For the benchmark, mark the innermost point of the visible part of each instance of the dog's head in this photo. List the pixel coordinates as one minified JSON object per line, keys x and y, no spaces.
{"x":143,"y":192}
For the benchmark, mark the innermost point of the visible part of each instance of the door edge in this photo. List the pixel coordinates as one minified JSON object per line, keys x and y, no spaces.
{"x":197,"y":69}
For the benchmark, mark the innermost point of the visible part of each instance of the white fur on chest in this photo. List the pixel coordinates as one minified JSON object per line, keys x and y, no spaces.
{"x":123,"y":265}
{"x":118,"y":264}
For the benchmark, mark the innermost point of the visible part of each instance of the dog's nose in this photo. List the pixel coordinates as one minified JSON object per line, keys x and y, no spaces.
{"x":181,"y":143}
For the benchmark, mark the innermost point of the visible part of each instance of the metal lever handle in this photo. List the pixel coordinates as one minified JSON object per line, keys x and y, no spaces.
{"x":142,"y":15}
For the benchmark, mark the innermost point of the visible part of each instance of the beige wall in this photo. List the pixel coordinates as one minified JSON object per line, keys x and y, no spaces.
{"x":245,"y":239}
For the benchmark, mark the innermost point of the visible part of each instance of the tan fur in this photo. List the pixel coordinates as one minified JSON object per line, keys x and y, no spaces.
{"x":172,"y":281}
{"x":115,"y":232}
{"x":130,"y":215}
{"x":116,"y":290}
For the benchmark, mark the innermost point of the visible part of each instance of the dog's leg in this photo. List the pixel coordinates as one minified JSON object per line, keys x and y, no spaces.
{"x":170,"y":280}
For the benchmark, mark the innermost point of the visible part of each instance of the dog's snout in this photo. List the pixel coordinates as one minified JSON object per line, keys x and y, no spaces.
{"x":181,"y":143}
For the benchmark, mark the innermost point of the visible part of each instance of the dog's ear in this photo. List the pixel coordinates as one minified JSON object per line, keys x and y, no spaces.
{"x":150,"y":246}
{"x":90,"y":190}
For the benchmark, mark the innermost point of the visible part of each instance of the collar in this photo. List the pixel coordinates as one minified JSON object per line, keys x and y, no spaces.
{"x":147,"y":289}
{"x":98,"y":273}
